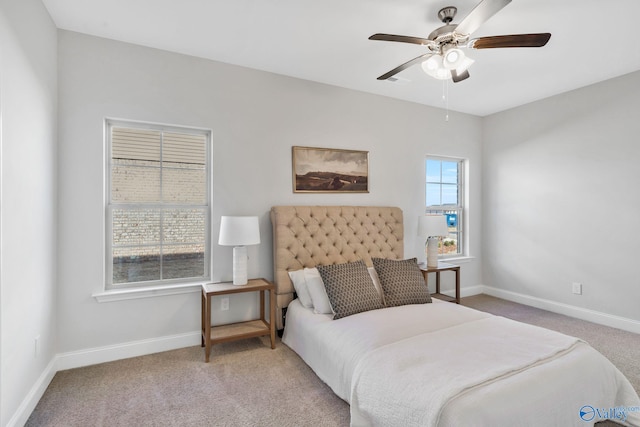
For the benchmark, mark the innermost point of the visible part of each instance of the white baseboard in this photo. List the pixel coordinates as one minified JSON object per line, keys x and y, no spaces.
{"x":598,"y":317}
{"x":466,"y":291}
{"x":27,"y":406}
{"x":470,"y":291}
{"x":93,"y":356}
{"x":610,"y":320}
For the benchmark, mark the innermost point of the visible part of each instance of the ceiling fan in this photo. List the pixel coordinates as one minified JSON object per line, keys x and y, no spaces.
{"x":445,"y":58}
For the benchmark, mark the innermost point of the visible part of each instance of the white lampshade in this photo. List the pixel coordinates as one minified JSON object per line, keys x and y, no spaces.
{"x":239,"y":231}
{"x":453,"y":58}
{"x":432,"y":226}
{"x":440,"y":66}
{"x":434,"y":67}
{"x":464,"y":65}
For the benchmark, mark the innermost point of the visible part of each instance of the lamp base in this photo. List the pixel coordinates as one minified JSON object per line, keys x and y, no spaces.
{"x":240,"y":265}
{"x":432,"y":252}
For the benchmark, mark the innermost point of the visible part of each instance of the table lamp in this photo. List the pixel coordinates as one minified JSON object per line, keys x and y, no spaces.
{"x":432,"y":227}
{"x":239,"y":231}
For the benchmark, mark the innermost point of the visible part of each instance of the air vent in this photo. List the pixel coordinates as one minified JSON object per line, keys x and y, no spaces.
{"x":398,"y":80}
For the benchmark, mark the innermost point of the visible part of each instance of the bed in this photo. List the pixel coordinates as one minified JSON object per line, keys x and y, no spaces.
{"x":404,"y":359}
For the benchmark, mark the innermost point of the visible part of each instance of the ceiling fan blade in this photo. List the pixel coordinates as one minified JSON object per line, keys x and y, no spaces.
{"x":515,"y":40}
{"x":404,"y":66}
{"x":402,"y":39}
{"x":481,"y":13}
{"x":459,"y":77}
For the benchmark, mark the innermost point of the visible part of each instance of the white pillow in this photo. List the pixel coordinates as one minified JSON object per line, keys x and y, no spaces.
{"x":315,"y":286}
{"x":376,"y":282}
{"x":300,"y":285}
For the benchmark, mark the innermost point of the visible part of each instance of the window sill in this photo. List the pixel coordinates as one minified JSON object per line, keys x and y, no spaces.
{"x":458,"y":260}
{"x":147,"y":292}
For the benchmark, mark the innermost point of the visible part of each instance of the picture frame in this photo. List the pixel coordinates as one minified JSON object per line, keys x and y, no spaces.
{"x":329,"y":170}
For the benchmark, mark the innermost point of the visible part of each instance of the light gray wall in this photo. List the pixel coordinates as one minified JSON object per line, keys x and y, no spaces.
{"x":543,"y":162}
{"x":561,"y":202}
{"x":28,"y":99}
{"x":256,"y":118}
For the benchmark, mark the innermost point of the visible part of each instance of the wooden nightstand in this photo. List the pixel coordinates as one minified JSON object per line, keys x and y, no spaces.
{"x":236,"y":331}
{"x":443,"y":266}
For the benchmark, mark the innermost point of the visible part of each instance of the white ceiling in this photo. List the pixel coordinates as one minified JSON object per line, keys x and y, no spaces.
{"x":326,"y":41}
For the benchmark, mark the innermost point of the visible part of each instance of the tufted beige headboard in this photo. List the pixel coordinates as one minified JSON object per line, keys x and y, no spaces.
{"x":306,"y":236}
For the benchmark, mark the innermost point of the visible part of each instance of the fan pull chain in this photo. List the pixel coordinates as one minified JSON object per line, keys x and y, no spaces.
{"x":445,"y":98}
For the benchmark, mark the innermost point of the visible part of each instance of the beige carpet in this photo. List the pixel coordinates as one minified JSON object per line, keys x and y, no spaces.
{"x":248,"y":384}
{"x":245,"y":384}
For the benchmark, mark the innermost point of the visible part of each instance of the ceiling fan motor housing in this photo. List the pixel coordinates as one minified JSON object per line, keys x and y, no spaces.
{"x":443,"y":34}
{"x":446,"y":14}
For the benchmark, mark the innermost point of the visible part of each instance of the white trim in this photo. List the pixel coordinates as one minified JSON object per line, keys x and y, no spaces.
{"x":463,"y":200}
{"x":469,"y":291}
{"x":146,"y":292}
{"x":465,"y":292}
{"x":601,"y":318}
{"x":598,"y":317}
{"x":32,"y":398}
{"x":108,"y":205}
{"x":462,"y":259}
{"x":93,"y":356}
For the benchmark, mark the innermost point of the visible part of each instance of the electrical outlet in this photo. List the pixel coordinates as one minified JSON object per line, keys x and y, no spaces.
{"x":224,"y":304}
{"x":577,"y":288}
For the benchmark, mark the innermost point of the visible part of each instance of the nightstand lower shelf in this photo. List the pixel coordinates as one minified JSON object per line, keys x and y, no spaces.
{"x":238,"y":331}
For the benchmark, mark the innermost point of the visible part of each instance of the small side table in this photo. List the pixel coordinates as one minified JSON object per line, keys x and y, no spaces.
{"x":443,"y":266}
{"x":236,"y":331}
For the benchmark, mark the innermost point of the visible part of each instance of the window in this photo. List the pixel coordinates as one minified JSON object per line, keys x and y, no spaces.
{"x":158,"y":204}
{"x":445,"y":196}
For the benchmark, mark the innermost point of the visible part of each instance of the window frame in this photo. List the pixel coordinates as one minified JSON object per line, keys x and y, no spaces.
{"x":459,"y":208}
{"x":110,"y":206}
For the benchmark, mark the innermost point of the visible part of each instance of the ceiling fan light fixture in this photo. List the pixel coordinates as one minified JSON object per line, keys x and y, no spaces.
{"x":435,"y":68}
{"x":453,"y":58}
{"x":432,"y":64}
{"x":443,"y":74}
{"x":464,"y":65}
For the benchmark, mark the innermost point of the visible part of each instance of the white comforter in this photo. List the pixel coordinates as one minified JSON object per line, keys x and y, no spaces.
{"x":448,"y":365}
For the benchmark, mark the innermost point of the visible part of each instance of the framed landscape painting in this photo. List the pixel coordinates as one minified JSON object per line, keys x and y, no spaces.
{"x":330,"y":170}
